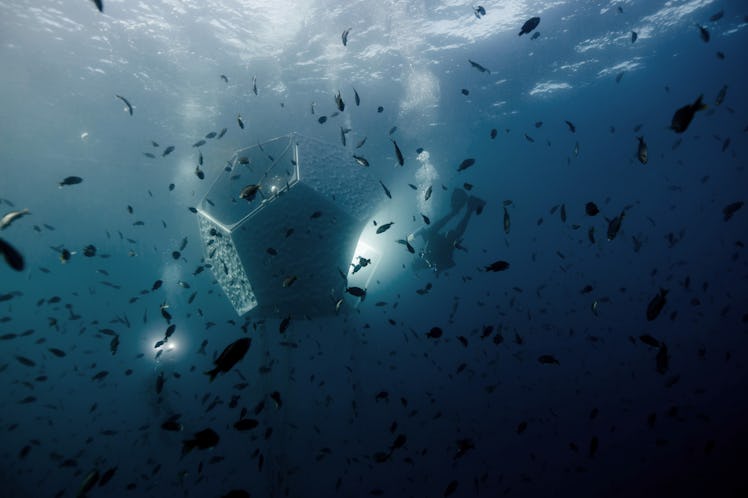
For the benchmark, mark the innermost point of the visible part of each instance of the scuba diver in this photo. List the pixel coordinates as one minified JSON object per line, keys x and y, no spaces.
{"x":439,"y":247}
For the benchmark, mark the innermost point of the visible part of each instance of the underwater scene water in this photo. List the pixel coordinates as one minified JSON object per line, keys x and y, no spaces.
{"x":542,"y":203}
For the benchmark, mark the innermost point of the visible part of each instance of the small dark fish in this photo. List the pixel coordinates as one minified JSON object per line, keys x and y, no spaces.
{"x":466,"y":164}
{"x":283,"y":326}
{"x":656,"y":304}
{"x":479,"y":67}
{"x":361,"y":143}
{"x":199,"y":143}
{"x":683,"y":116}
{"x":240,"y":121}
{"x":498,"y":265}
{"x":529,"y":138}
{"x":662,"y":359}
{"x":344,"y":36}
{"x":246,"y":424}
{"x":450,"y":489}
{"x":356,"y":97}
{"x":392,"y":131}
{"x":70,"y":180}
{"x":149,"y":155}
{"x":619,"y":76}
{"x":356,"y":291}
{"x":107,"y":476}
{"x":206,"y":438}
{"x":649,"y":340}
{"x":230,"y":357}
{"x":380,"y":109}
{"x":494,"y":132}
{"x":465,"y":92}
{"x":571,"y":126}
{"x":12,"y":256}
{"x":129,"y":107}
{"x":223,"y":132}
{"x":727,"y":211}
{"x":254,"y":85}
{"x":591,"y":209}
{"x":249,"y":192}
{"x":426,"y":219}
{"x":322,"y":119}
{"x":57,"y":352}
{"x":91,"y":478}
{"x":434,"y":333}
{"x":548,"y":359}
{"x":172,"y":425}
{"x":642,"y":152}
{"x":384,"y":227}
{"x":535,"y":35}
{"x":276,"y":397}
{"x":99,"y":5}
{"x":529,"y":25}
{"x":614,"y":225}
{"x":386,"y":190}
{"x":704,"y":33}
{"x":224,"y":78}
{"x":507,"y":221}
{"x":361,"y":160}
{"x":339,"y":102}
{"x":634,"y":36}
{"x":168,"y":151}
{"x":721,"y":95}
{"x":716,"y":17}
{"x":398,"y":153}
{"x":427,"y":194}
{"x":479,"y":11}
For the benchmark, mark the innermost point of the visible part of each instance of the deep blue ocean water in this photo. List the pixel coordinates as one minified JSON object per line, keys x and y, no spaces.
{"x":474,"y":412}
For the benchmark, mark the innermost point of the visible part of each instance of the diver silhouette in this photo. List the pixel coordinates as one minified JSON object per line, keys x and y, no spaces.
{"x":438,"y":249}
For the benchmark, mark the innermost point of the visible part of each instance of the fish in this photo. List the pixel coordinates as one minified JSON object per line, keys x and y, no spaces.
{"x":322,"y":119}
{"x":529,"y":25}
{"x":123,"y":99}
{"x":479,"y":67}
{"x":386,"y":190}
{"x":283,"y":326}
{"x":199,"y":143}
{"x":398,"y":153}
{"x":729,"y":210}
{"x":434,"y":333}
{"x":12,"y":256}
{"x":571,"y":126}
{"x":619,"y":76}
{"x":465,"y":92}
{"x":704,"y":33}
{"x":276,"y":397}
{"x":356,"y":291}
{"x":10,"y":217}
{"x":289,"y":281}
{"x":634,"y":36}
{"x":465,"y":164}
{"x":57,"y":352}
{"x":548,"y":359}
{"x":427,"y":194}
{"x":662,"y":359}
{"x":361,"y":143}
{"x":426,"y":219}
{"x":223,"y":132}
{"x":356,"y":97}
{"x":99,"y":5}
{"x":168,"y":151}
{"x":206,"y":438}
{"x":507,"y":221}
{"x":614,"y":225}
{"x":683,"y":116}
{"x":562,"y":213}
{"x":642,"y":152}
{"x":344,"y":36}
{"x":656,"y":304}
{"x":70,"y":180}
{"x":343,"y":132}
{"x":384,"y":227}
{"x":225,"y":78}
{"x":479,"y":11}
{"x":716,"y":17}
{"x":249,"y":192}
{"x":107,"y":476}
{"x":496,"y":266}
{"x":649,"y":340}
{"x":230,"y":356}
{"x":91,"y":478}
{"x":246,"y":424}
{"x":591,"y":209}
{"x":721,"y":95}
{"x":535,"y":35}
{"x":254,"y":85}
{"x":240,"y":121}
{"x":339,"y":102}
{"x":493,"y":133}
{"x":361,"y":160}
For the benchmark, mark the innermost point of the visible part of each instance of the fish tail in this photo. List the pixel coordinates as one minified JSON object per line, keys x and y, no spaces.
{"x":212,"y":373}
